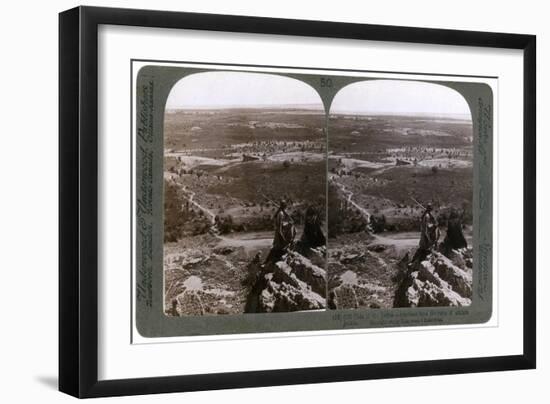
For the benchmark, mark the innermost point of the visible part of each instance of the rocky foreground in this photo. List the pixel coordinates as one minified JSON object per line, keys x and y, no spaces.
{"x":370,"y":273}
{"x":361,"y":275}
{"x":293,"y":283}
{"x":437,"y":280}
{"x":204,"y":278}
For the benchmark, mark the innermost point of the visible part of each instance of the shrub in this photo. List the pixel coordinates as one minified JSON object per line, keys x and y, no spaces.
{"x":225,"y":224}
{"x":174,"y":216}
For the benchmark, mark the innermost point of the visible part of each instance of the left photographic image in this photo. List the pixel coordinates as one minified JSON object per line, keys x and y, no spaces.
{"x":244,"y":195}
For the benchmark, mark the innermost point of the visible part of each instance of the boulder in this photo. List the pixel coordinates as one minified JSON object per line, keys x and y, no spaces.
{"x":190,"y":303}
{"x":293,"y":283}
{"x":343,"y":297}
{"x":305,"y":270}
{"x":224,"y":250}
{"x":460,"y":280}
{"x":436,"y":281}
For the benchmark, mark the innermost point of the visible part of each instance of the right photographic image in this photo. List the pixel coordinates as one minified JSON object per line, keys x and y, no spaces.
{"x":400,"y":192}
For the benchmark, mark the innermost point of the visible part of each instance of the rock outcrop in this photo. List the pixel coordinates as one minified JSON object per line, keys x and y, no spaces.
{"x":437,"y":280}
{"x":359,"y":278}
{"x":344,"y":296}
{"x":292,"y":283}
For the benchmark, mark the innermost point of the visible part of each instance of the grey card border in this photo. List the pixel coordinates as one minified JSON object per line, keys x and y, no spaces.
{"x":153,"y":88}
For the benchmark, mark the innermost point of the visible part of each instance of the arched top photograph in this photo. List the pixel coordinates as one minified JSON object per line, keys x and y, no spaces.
{"x":401,"y":97}
{"x":401,"y":171}
{"x":234,"y":89}
{"x":244,"y":195}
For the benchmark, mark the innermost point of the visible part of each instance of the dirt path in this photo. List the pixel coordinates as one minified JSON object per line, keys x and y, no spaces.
{"x":249,"y":241}
{"x":406,"y":240}
{"x":401,"y":241}
{"x":190,"y":197}
{"x":350,"y":194}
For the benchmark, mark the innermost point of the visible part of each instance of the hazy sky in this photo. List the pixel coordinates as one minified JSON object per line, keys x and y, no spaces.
{"x":399,"y":97}
{"x":236,"y":89}
{"x":239,"y":89}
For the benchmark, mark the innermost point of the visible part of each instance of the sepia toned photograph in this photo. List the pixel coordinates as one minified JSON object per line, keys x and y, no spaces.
{"x":247,"y":171}
{"x":400,"y":196}
{"x":323,"y":201}
{"x":244,"y":195}
{"x":246,"y":174}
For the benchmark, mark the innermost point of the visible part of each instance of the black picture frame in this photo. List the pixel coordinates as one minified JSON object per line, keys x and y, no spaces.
{"x":78,"y":196}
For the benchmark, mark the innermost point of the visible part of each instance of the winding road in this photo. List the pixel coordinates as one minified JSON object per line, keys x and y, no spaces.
{"x":350,"y":194}
{"x":249,"y":240}
{"x":190,"y":195}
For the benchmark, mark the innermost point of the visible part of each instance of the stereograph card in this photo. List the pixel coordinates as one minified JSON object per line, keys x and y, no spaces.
{"x":269,"y":199}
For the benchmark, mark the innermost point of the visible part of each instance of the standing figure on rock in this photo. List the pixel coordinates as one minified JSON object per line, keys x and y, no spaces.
{"x":454,"y":239}
{"x":313,"y":236}
{"x":285,"y":232}
{"x":429,"y":234}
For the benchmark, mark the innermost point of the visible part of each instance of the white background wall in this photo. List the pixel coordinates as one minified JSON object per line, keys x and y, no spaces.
{"x":28,"y":202}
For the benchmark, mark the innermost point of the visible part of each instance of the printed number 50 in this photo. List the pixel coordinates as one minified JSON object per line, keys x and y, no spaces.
{"x":326,"y":82}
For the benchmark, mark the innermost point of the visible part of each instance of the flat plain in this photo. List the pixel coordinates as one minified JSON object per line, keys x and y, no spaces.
{"x":383,"y":171}
{"x":226,"y":171}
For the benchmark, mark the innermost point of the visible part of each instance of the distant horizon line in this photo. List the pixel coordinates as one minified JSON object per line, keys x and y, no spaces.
{"x":258,"y":106}
{"x":320,"y":108}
